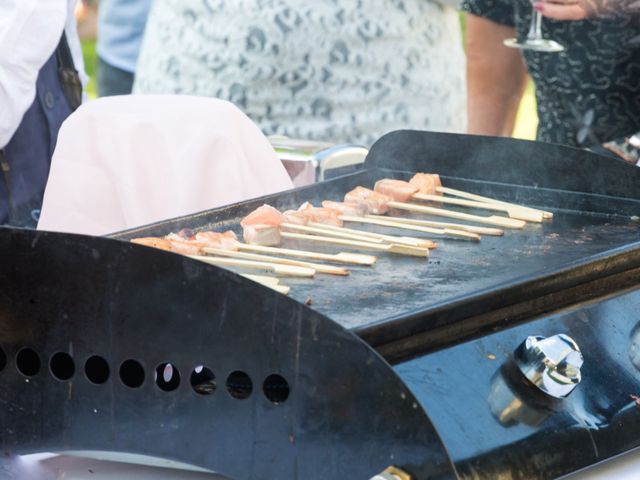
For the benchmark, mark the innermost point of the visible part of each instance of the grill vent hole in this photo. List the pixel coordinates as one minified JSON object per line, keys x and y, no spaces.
{"x":3,"y":359}
{"x":132,"y":373}
{"x":28,"y":362}
{"x":239,"y":385}
{"x":167,"y":377}
{"x":97,"y":370}
{"x":62,"y":366}
{"x":276,"y":389}
{"x":203,"y":381}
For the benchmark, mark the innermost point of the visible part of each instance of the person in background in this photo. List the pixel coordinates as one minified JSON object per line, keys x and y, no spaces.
{"x":626,"y":148}
{"x":40,"y":57}
{"x":121,"y":26}
{"x":326,"y":70}
{"x":87,"y":19}
{"x":587,"y":95}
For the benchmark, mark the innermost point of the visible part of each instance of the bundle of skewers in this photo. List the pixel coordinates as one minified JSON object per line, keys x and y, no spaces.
{"x":265,"y":229}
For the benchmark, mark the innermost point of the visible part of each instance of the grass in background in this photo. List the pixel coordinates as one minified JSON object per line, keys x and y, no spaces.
{"x":90,"y":62}
{"x":526,"y":121}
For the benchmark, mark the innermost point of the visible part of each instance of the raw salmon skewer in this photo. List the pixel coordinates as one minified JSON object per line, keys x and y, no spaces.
{"x":429,"y":185}
{"x":372,"y":236}
{"x":330,"y":269}
{"x":322,"y":217}
{"x":384,"y":202}
{"x":388,"y":222}
{"x":496,"y":232}
{"x":226,"y":245}
{"x":164,"y":244}
{"x":326,"y":216}
{"x":342,"y":257}
{"x":459,"y":193}
{"x":331,"y":221}
{"x":422,"y":184}
{"x":196,"y":245}
{"x":186,"y":242}
{"x":277,"y":268}
{"x":262,"y":226}
{"x":345,"y":208}
{"x":441,"y":212}
{"x":354,"y":212}
{"x":360,"y":245}
{"x":373,"y":202}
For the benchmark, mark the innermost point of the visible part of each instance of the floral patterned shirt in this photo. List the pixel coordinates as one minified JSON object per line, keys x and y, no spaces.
{"x":334,"y":70}
{"x":588,"y":94}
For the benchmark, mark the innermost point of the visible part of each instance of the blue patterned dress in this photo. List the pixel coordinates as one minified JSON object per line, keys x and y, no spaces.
{"x":335,"y":70}
{"x":588,"y":94}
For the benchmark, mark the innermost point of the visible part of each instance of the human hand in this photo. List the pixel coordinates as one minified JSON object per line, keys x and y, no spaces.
{"x":585,"y":9}
{"x":562,"y":9}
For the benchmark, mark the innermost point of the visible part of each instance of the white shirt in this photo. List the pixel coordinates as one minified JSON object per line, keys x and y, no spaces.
{"x":336,"y":71}
{"x":29,"y":33}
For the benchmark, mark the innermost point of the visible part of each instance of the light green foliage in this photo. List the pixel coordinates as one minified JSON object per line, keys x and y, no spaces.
{"x":90,"y":61}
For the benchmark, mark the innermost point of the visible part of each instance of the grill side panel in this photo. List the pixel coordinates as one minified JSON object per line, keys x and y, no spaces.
{"x":294,"y":394}
{"x":497,"y":425}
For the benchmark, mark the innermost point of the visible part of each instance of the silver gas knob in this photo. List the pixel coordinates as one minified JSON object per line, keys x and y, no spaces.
{"x":552,"y":364}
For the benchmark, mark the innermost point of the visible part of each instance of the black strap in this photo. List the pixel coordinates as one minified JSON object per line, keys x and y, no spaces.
{"x":6,"y":173}
{"x":69,"y":77}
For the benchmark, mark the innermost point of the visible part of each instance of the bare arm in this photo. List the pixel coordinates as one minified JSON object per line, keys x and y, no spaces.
{"x":496,"y":78}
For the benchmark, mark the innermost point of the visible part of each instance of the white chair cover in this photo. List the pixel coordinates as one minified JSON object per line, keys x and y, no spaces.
{"x":126,"y":161}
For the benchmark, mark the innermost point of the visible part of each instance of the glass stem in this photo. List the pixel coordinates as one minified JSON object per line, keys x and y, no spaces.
{"x":535,"y":30}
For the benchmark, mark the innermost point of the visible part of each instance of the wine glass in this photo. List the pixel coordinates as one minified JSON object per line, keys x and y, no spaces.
{"x":534,"y":40}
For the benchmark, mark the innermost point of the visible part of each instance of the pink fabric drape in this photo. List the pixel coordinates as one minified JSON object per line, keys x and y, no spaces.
{"x":126,"y":161}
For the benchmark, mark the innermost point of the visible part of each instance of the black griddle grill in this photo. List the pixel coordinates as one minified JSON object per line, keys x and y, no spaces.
{"x":301,"y":392}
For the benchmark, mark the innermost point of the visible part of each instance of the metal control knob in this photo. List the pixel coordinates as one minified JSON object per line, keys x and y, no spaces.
{"x":552,"y":364}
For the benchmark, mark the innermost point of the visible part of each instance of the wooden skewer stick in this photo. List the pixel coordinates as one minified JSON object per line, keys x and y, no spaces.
{"x":384,"y":247}
{"x":342,"y":257}
{"x":492,"y":220}
{"x":411,"y":241}
{"x":513,"y":212}
{"x":277,"y":268}
{"x":283,"y":289}
{"x":497,"y":232}
{"x":285,"y":261}
{"x":322,"y":231}
{"x":388,"y":222}
{"x":263,"y":279}
{"x":480,"y":198}
{"x":269,"y":282}
{"x":358,"y":236}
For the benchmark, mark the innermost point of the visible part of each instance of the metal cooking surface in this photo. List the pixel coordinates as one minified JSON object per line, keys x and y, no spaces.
{"x":399,"y":285}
